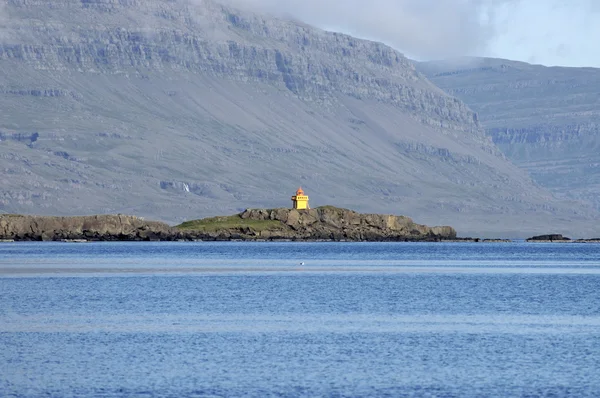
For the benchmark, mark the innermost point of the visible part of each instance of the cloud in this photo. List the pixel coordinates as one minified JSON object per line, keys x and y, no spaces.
{"x":546,"y":31}
{"x":421,"y":28}
{"x":551,"y":33}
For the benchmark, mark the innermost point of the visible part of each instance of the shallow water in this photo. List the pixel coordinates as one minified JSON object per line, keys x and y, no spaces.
{"x":248,"y":319}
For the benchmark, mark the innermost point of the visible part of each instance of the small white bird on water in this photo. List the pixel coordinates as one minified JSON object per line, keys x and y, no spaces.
{"x":302,"y":263}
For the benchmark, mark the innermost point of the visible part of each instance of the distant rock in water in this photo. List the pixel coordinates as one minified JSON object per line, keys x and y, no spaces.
{"x":549,"y":238}
{"x":497,"y":240}
{"x":323,"y":223}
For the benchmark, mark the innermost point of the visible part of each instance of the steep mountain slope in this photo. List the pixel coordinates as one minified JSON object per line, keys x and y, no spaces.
{"x":545,"y":119}
{"x":177,"y":110}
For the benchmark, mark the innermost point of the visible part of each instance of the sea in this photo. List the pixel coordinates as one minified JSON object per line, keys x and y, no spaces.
{"x":290,"y":319}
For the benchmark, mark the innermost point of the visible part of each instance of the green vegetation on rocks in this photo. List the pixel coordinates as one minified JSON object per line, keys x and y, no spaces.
{"x":214,"y":224}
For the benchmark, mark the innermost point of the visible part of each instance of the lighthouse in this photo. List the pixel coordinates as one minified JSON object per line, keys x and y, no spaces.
{"x":300,"y":200}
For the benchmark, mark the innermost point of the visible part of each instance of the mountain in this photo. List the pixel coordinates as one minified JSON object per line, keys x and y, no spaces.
{"x":545,"y":119}
{"x":174,"y":110}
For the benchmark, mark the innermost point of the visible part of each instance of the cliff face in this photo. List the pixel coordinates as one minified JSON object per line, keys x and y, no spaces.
{"x":545,"y":119}
{"x":172,"y":109}
{"x":206,"y":38}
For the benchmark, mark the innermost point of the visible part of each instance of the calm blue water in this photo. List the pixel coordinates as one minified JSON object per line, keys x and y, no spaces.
{"x":248,"y":319}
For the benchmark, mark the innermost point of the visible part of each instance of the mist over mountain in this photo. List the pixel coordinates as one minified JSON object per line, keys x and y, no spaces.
{"x":549,"y":32}
{"x":176,"y":110}
{"x":545,"y":119}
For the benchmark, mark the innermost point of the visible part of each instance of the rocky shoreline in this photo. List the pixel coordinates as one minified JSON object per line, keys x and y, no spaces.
{"x":14,"y":227}
{"x":326,"y":223}
{"x":322,"y":224}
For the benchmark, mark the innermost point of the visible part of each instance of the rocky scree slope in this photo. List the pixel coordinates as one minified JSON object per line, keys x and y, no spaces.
{"x":545,"y":119}
{"x":179,"y":109}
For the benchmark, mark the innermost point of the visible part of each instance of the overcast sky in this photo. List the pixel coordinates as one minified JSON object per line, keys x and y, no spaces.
{"x":549,"y":32}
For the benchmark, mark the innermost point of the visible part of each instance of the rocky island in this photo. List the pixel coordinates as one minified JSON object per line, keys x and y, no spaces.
{"x":326,"y":223}
{"x":559,"y":238}
{"x":322,"y":223}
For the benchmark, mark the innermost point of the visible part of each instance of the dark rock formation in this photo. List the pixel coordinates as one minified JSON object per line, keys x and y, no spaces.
{"x":329,"y":223}
{"x":549,"y":238}
{"x":100,"y":227}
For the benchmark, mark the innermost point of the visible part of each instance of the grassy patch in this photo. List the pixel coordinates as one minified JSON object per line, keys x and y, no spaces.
{"x":229,"y":222}
{"x":330,"y":207}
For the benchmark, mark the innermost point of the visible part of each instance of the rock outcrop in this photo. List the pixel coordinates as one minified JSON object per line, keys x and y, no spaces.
{"x":98,"y":227}
{"x":326,"y":223}
{"x":549,"y":238}
{"x":558,"y":238}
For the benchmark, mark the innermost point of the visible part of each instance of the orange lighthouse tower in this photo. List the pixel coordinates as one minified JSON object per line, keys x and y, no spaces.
{"x":300,"y":200}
